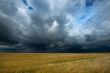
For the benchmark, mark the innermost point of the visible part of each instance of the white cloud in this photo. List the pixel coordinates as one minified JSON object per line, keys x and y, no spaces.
{"x":54,"y":27}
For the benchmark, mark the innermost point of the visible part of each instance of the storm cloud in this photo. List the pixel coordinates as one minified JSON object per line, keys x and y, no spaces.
{"x":51,"y":25}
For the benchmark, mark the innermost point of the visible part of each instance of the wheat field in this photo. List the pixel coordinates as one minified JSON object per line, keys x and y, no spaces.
{"x":54,"y":63}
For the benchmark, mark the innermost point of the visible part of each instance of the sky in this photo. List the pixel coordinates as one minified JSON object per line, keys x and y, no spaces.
{"x":54,"y":25}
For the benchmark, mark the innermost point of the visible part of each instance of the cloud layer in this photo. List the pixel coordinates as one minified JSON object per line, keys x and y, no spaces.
{"x":55,"y":23}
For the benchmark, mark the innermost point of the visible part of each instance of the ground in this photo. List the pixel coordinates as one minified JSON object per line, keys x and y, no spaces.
{"x":54,"y":63}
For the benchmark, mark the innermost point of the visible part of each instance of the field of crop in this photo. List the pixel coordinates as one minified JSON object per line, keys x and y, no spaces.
{"x":54,"y":63}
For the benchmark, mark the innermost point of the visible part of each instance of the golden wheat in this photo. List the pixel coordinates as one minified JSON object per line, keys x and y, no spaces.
{"x":54,"y":63}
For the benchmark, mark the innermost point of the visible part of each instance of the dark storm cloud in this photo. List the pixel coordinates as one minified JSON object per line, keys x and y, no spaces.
{"x":52,"y":25}
{"x":6,"y":32}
